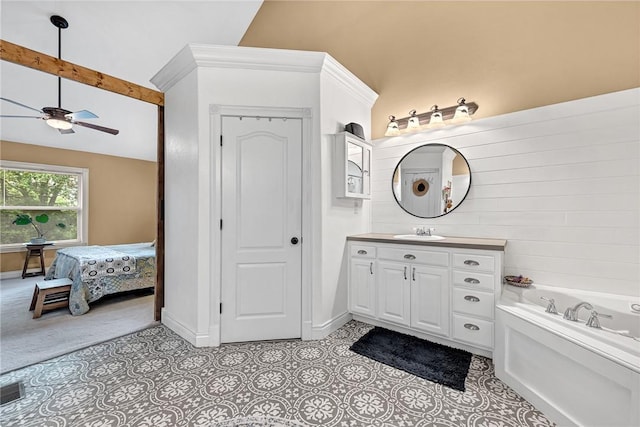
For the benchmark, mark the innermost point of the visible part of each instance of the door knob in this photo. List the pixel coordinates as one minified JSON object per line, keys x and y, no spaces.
{"x":294,"y":240}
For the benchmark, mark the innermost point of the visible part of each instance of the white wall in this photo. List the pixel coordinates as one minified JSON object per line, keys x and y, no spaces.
{"x":340,"y":217}
{"x":181,"y":153}
{"x":223,"y":78}
{"x":561,"y":183}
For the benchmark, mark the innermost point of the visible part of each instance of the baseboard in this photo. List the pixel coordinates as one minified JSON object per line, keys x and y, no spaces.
{"x":320,"y":332}
{"x":193,"y":338}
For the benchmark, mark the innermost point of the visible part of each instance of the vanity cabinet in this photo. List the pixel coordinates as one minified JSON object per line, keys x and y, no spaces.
{"x":362,"y":290}
{"x":473,"y":298}
{"x":413,"y":288}
{"x":352,"y":166}
{"x":442,"y":293}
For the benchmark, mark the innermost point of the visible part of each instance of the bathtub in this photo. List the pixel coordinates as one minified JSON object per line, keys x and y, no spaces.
{"x":575,"y":374}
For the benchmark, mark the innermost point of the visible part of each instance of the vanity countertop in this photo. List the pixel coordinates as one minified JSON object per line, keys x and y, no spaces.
{"x":447,"y":242}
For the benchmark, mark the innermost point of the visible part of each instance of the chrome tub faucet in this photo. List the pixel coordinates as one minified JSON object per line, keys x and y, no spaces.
{"x":571,"y":313}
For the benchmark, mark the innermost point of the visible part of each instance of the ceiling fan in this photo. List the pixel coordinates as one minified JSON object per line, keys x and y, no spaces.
{"x":58,"y":117}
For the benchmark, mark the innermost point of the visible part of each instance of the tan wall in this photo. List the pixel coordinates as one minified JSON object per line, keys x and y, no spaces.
{"x":506,"y":56}
{"x":122,"y":195}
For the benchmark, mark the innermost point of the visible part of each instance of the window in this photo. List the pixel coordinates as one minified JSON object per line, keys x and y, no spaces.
{"x":60,"y":193}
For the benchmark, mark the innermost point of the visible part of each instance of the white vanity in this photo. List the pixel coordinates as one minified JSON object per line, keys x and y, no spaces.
{"x":440,"y":290}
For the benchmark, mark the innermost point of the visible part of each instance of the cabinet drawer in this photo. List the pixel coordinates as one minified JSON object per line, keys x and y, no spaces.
{"x":470,"y":261}
{"x":473,"y":331}
{"x":474,"y":280}
{"x":418,"y":256}
{"x":471,"y":301}
{"x":363,"y":251}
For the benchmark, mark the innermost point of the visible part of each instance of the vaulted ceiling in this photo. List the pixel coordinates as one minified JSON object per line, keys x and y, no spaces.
{"x":130,"y":40}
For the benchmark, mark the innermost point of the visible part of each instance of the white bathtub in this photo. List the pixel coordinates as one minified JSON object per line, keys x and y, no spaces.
{"x":575,"y":374}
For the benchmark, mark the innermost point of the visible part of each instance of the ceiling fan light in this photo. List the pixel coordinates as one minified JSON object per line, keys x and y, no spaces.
{"x":59,"y":124}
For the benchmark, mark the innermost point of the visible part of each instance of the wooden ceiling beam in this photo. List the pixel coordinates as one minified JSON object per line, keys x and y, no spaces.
{"x":48,"y":64}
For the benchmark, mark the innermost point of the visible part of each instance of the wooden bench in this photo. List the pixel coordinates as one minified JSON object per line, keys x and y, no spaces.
{"x":49,"y":295}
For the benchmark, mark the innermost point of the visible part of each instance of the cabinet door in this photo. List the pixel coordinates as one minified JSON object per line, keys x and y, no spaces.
{"x":393,"y":292}
{"x":362,"y":291}
{"x":430,"y":299}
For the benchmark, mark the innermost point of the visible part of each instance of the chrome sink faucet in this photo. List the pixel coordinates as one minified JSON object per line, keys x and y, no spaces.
{"x":571,"y":313}
{"x":424,"y":231}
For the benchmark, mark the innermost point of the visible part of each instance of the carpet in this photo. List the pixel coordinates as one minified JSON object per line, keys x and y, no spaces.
{"x":24,"y":340}
{"x":434,"y":362}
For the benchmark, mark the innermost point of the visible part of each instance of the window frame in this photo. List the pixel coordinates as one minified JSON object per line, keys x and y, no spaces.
{"x":83,"y":202}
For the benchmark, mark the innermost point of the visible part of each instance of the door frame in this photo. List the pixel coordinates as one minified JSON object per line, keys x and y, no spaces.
{"x":216,"y":112}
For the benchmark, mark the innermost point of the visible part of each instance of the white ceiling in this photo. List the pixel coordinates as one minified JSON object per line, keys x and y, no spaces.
{"x":131,"y":40}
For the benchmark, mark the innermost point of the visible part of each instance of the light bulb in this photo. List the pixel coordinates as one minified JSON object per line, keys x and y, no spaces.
{"x":392,"y":128}
{"x":462,"y":112}
{"x":414,"y":122}
{"x":436,"y":118}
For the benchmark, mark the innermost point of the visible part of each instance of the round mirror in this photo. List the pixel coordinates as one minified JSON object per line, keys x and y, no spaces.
{"x":431,"y":180}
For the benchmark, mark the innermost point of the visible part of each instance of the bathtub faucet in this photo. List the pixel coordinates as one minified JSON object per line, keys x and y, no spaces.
{"x":571,"y":313}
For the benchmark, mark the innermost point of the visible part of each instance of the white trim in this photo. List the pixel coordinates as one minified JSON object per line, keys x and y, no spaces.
{"x":350,"y":83}
{"x":331,"y":325}
{"x":215,"y":203}
{"x":195,"y":339}
{"x":196,"y":55}
{"x":82,"y":207}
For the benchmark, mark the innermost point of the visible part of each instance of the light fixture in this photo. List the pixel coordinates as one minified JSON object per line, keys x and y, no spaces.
{"x":59,"y":124}
{"x":393,"y":128}
{"x":435,"y":118}
{"x":435,"y":121}
{"x":414,"y":121}
{"x":462,"y":112}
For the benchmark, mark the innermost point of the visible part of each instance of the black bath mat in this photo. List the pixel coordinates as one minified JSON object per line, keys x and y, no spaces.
{"x":434,"y":362}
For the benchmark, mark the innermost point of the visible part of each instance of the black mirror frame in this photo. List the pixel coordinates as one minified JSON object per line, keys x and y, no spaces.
{"x":444,"y":213}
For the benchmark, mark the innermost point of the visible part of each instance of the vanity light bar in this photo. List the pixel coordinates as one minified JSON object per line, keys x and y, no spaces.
{"x":396,"y":126}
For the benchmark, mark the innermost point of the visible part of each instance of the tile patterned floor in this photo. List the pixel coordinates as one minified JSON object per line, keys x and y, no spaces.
{"x":154,"y":378}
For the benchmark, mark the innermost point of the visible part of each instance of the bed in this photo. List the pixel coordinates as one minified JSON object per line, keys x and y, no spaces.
{"x":97,"y":271}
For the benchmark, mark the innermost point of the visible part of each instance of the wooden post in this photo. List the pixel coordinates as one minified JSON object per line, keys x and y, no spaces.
{"x":159,"y":294}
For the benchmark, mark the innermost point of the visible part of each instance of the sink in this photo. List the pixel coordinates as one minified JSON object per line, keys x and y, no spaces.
{"x":416,"y":237}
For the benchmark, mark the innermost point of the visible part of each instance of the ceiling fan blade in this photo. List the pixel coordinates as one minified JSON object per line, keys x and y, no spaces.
{"x":65,"y":131}
{"x":96,"y":127}
{"x":82,"y":114}
{"x":21,"y":105}
{"x":22,"y":117}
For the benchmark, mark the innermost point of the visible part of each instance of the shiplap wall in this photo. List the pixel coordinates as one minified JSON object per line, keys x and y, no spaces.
{"x":560,"y":183}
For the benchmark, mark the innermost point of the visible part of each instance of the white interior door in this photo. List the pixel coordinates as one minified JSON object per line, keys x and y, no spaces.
{"x":261,"y":230}
{"x":427,"y":204}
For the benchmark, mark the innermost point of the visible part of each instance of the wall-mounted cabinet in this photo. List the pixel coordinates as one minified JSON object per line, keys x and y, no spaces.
{"x":352,"y":167}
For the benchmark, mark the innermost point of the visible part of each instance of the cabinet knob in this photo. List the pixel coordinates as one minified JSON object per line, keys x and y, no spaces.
{"x":472,"y":327}
{"x":362,"y":252}
{"x":409,"y":256}
{"x":471,"y":262}
{"x":472,"y":298}
{"x":471,"y":280}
